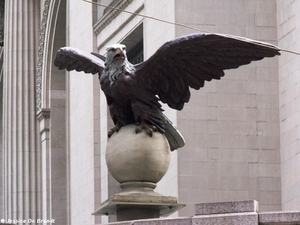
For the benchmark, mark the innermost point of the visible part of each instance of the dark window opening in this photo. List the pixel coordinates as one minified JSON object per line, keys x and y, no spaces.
{"x":135,"y":45}
{"x":136,"y":53}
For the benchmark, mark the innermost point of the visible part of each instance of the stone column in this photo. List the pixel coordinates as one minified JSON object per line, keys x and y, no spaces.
{"x":20,"y":143}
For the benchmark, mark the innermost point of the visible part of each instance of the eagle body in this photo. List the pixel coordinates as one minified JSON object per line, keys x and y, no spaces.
{"x":120,"y":109}
{"x":127,"y":103}
{"x":134,"y":92}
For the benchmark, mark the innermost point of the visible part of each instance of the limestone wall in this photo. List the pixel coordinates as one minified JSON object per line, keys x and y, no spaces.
{"x":84,"y":125}
{"x":289,"y":84}
{"x":232,"y":126}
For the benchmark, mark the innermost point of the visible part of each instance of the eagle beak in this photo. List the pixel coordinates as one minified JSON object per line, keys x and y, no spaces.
{"x":119,"y":54}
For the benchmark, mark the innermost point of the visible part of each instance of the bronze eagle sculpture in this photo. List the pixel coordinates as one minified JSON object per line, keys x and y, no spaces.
{"x":134,"y":92}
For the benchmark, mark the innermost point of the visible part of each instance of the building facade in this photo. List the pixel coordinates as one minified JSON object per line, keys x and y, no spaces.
{"x":242,"y":132}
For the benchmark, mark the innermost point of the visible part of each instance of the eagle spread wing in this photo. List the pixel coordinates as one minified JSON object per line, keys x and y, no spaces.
{"x":75,"y":59}
{"x":176,"y":66}
{"x":191,"y":60}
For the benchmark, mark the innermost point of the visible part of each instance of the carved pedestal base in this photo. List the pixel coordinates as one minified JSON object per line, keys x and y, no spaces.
{"x":138,"y":206}
{"x":138,"y":162}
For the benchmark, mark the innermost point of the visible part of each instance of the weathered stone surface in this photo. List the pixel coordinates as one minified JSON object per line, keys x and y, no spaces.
{"x":165,"y":221}
{"x":227,"y":219}
{"x":120,"y":223}
{"x":226,"y":207}
{"x":161,"y":221}
{"x":272,"y":218}
{"x":236,"y":213}
{"x":224,"y":219}
{"x":288,"y":218}
{"x":176,"y":221}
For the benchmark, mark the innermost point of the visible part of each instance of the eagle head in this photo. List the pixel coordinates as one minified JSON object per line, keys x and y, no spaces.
{"x":116,"y":62}
{"x":116,"y":55}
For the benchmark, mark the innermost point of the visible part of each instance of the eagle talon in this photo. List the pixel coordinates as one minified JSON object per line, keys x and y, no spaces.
{"x":113,"y":130}
{"x":149,"y":128}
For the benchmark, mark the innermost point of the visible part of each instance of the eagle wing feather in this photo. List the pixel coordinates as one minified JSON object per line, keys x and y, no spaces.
{"x":70,"y":58}
{"x":191,"y":60}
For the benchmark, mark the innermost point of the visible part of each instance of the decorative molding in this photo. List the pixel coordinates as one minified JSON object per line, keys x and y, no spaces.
{"x":120,"y":27}
{"x":43,"y":117}
{"x":110,"y":16}
{"x":39,"y":74}
{"x":43,"y":113}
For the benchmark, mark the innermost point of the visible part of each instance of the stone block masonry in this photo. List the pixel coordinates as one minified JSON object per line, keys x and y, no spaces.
{"x":225,"y":213}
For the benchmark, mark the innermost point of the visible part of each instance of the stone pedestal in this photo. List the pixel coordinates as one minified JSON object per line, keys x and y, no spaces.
{"x":138,"y":162}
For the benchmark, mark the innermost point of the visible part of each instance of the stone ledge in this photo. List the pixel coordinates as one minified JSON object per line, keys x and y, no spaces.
{"x":245,"y":214}
{"x":165,"y":221}
{"x":132,"y":206}
{"x":226,"y":207}
{"x":222,"y":219}
{"x":160,"y":221}
{"x":227,"y":219}
{"x":270,"y":218}
{"x":279,"y":218}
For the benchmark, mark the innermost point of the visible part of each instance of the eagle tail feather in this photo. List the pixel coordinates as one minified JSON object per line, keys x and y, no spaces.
{"x":173,"y":135}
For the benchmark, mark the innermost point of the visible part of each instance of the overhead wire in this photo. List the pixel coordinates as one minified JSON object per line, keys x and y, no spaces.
{"x":168,"y":22}
{"x":145,"y":16}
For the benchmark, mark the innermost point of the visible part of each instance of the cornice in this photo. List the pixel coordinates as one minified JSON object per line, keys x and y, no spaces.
{"x":110,"y":16}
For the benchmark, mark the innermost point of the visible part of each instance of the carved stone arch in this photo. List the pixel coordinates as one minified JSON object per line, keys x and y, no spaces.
{"x":52,"y":37}
{"x":51,"y":108}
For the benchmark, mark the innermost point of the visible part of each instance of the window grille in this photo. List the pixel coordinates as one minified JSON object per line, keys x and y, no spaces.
{"x":136,"y":53}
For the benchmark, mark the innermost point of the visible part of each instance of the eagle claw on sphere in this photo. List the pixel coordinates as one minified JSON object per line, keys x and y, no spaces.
{"x":149,"y":128}
{"x":113,"y":130}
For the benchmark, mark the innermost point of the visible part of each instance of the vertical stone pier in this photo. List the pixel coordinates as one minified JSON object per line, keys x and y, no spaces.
{"x":20,"y":148}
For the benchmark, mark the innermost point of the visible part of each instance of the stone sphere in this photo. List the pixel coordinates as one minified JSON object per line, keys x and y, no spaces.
{"x":132,"y":157}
